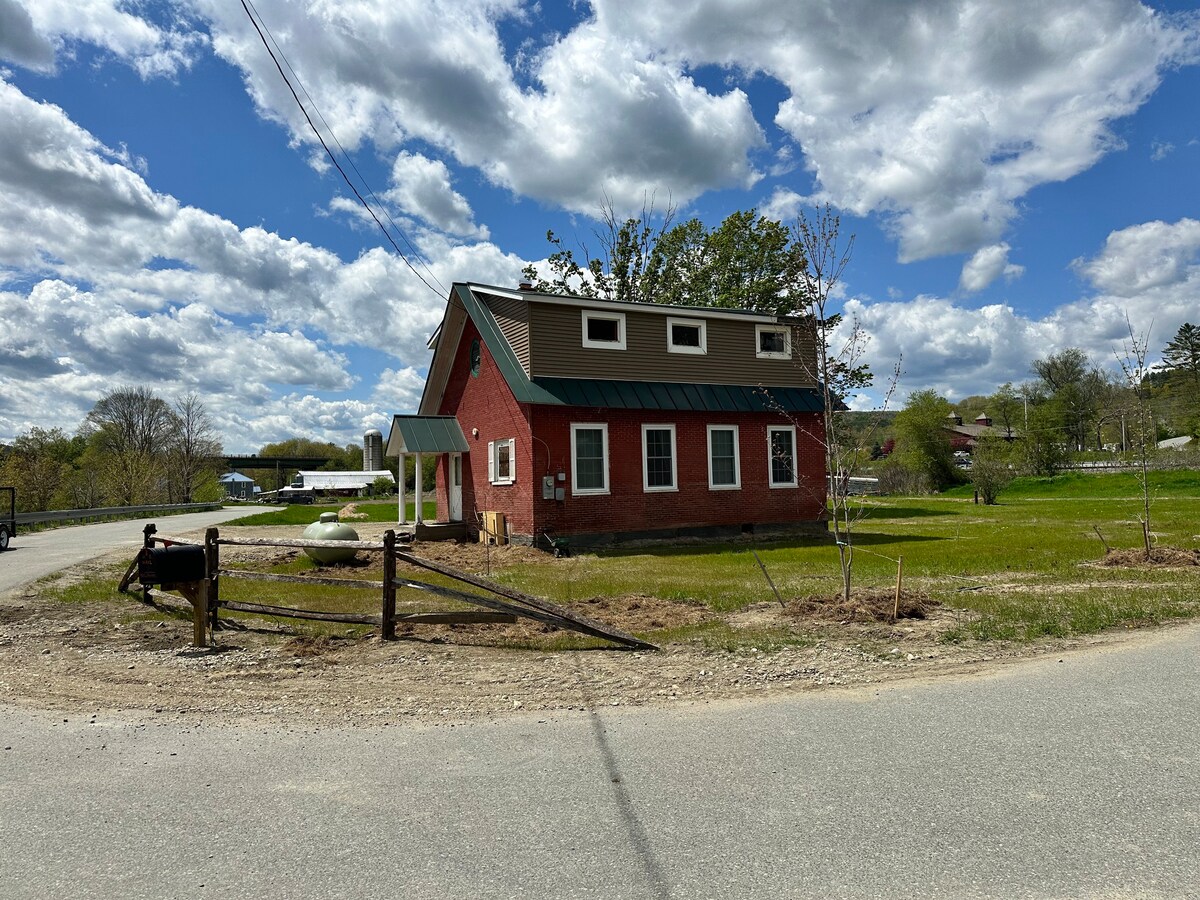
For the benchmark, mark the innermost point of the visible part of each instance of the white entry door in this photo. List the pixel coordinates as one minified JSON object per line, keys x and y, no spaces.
{"x":455,"y":487}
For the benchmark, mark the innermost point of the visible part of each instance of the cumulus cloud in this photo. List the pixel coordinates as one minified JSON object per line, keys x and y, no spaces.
{"x":960,"y":351}
{"x":938,"y":115}
{"x":590,"y":118}
{"x":19,"y":40}
{"x":985,"y":266}
{"x":1144,"y":257}
{"x":33,"y":32}
{"x":422,"y":187}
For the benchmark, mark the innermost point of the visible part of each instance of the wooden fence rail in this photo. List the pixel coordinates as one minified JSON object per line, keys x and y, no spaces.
{"x":506,"y":606}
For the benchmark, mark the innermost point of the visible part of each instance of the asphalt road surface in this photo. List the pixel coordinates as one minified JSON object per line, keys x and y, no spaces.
{"x":33,"y":556}
{"x":1049,"y":779}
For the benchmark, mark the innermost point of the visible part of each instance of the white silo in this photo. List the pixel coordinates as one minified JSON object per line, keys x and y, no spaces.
{"x":372,"y":451}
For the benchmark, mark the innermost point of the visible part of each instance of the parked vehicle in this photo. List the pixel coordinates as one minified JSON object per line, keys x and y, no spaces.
{"x":8,"y":516}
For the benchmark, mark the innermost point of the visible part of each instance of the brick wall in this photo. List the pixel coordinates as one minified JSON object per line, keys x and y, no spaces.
{"x":484,"y":402}
{"x":629,"y":507}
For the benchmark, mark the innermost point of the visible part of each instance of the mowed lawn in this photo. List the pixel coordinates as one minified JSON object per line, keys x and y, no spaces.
{"x":1026,"y":568}
{"x":1021,"y":569}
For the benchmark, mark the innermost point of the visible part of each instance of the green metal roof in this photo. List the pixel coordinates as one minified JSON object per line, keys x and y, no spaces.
{"x":673,"y":396}
{"x":506,"y":359}
{"x":426,"y":434}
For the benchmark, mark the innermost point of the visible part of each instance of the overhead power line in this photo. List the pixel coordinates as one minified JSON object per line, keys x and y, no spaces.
{"x":255,"y":18}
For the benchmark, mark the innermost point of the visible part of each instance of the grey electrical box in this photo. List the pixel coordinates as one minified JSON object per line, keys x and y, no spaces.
{"x":560,"y":494}
{"x":548,"y":488}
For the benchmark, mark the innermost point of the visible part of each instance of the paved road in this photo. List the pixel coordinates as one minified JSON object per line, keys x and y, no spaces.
{"x":32,"y":556}
{"x":1052,"y":779}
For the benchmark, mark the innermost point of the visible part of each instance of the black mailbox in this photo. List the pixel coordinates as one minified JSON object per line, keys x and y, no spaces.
{"x":171,"y":565}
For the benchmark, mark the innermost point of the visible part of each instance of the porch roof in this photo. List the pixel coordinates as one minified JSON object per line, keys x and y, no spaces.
{"x":426,"y":434}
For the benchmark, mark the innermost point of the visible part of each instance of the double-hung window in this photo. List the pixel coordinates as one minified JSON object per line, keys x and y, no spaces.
{"x":781,"y":455}
{"x":502,"y":463}
{"x":658,"y":458}
{"x":589,"y":458}
{"x":724,"y":463}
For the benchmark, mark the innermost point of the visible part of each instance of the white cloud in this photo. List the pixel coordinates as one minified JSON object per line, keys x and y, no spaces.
{"x":1143,"y":257}
{"x":940,"y":115}
{"x":42,"y":27}
{"x":985,"y":266}
{"x":592,"y":116}
{"x":421,"y":187}
{"x":1160,"y":150}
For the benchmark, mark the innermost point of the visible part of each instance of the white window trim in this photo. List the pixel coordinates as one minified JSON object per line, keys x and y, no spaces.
{"x":674,"y":485}
{"x":771,"y":429}
{"x":576,"y":490}
{"x":672,"y":347}
{"x":618,"y":317}
{"x":787,"y":341}
{"x":493,"y":459}
{"x":737,"y":459}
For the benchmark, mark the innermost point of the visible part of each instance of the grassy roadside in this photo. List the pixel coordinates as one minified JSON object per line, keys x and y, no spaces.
{"x":301,"y":514}
{"x":1025,"y":569}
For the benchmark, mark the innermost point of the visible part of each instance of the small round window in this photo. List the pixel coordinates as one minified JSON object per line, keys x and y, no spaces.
{"x":475,"y":356}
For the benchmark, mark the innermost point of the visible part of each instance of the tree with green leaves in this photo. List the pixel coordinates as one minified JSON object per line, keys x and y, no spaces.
{"x":39,"y":465}
{"x":1181,"y":356}
{"x":1076,"y":387}
{"x":131,"y":429}
{"x":991,"y":466}
{"x":922,"y":442}
{"x":747,"y":262}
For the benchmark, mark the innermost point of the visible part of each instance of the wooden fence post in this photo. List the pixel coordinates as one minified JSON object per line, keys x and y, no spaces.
{"x":147,"y":543}
{"x":212,"y":562}
{"x":200,"y":614}
{"x":388,"y":625}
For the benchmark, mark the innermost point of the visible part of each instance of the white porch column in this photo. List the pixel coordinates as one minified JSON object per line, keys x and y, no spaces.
{"x":403,"y":517}
{"x":418,"y":518}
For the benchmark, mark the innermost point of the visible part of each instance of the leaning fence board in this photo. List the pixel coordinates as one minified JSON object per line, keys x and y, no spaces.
{"x":301,"y":579}
{"x":488,"y":602}
{"x":466,"y":617}
{"x":577,"y":622}
{"x":300,"y":542}
{"x":291,"y":613}
{"x":171,"y":599}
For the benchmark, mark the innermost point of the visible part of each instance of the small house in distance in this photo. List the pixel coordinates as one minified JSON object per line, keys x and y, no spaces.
{"x":340,"y":484}
{"x":238,"y":486}
{"x":965,"y":437}
{"x":604,"y":421}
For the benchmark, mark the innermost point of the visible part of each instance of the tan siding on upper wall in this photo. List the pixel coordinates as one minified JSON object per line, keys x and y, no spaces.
{"x":556,"y":347}
{"x":512,"y":316}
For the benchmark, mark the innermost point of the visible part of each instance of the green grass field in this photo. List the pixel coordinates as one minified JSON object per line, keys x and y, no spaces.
{"x":302,"y":514}
{"x":1021,"y":570}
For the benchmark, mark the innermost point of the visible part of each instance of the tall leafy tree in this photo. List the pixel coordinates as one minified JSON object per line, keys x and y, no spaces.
{"x":1076,"y":387}
{"x":132,"y":429}
{"x":194,"y":451}
{"x":922,"y":442}
{"x":1181,"y":356}
{"x":747,"y":262}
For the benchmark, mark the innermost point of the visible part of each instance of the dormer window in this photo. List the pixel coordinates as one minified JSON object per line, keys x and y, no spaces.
{"x":603,"y":330}
{"x":687,"y":335}
{"x":773,"y":341}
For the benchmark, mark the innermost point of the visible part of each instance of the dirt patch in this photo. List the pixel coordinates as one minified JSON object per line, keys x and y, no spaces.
{"x":863,"y":607}
{"x":116,"y":655}
{"x":1160,"y":558}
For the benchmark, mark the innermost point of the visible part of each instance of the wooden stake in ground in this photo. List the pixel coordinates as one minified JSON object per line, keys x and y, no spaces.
{"x":899,"y":582}
{"x":767,"y":575}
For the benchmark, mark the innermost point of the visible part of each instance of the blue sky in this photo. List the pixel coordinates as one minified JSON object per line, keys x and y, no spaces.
{"x":1019,"y":178}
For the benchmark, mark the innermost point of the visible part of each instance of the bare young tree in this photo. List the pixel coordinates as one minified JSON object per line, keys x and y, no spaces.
{"x":1132,"y":360}
{"x":194,"y":449}
{"x":840,"y":367}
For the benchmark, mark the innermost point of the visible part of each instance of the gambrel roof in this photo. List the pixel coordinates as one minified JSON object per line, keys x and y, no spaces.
{"x":475,"y":303}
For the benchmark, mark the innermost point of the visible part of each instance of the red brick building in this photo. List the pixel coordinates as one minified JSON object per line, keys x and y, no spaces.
{"x":599,"y":421}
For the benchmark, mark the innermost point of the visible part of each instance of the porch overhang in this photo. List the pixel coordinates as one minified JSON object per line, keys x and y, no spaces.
{"x":425,"y":434}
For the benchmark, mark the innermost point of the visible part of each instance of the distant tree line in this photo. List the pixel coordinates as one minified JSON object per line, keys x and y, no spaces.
{"x":1073,"y":406}
{"x":134,"y":448}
